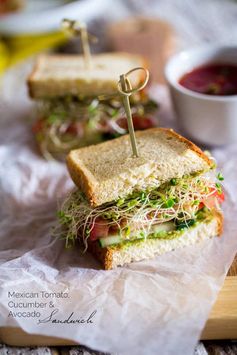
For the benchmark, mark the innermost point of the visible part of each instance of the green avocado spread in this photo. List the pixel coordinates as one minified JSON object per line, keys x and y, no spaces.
{"x":202,"y":215}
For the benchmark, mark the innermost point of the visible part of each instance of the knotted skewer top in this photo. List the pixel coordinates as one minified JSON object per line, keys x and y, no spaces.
{"x":76,"y":28}
{"x":125,"y":89}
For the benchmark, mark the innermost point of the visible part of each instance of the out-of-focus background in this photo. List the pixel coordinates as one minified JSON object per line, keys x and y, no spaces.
{"x":28,"y":27}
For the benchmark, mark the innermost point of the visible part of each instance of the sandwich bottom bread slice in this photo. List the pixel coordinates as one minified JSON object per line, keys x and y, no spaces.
{"x":130,"y":209}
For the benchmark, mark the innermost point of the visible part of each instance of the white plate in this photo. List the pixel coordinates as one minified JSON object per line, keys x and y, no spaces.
{"x":45,"y":16}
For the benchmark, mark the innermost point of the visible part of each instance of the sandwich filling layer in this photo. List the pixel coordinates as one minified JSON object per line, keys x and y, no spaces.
{"x":76,"y":121}
{"x":162,"y":212}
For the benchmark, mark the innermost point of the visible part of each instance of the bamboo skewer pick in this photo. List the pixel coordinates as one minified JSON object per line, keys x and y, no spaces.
{"x":127,"y":107}
{"x":125,"y":89}
{"x":76,"y":28}
{"x":86,"y":46}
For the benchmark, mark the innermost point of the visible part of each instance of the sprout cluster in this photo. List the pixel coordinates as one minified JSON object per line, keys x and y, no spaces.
{"x":178,"y":200}
{"x":93,"y":117}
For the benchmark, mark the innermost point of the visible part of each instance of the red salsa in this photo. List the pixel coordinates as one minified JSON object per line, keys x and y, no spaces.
{"x":212,"y":79}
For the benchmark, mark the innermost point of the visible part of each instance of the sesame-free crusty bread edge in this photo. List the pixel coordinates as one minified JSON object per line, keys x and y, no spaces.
{"x":41,"y":58}
{"x":85,"y":181}
{"x":106,"y":256}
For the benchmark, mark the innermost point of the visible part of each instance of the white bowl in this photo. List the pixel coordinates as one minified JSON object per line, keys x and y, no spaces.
{"x":211,"y":120}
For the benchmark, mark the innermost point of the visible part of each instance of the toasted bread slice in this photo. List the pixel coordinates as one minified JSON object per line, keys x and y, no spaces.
{"x":111,"y":257}
{"x":108,"y":171}
{"x":60,"y":75}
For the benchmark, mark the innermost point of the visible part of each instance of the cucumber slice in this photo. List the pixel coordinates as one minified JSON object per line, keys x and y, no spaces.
{"x":164,"y":227}
{"x":116,"y":239}
{"x":113,"y":239}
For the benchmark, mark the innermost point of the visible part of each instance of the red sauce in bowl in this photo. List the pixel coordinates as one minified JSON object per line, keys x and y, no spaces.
{"x":212,"y":79}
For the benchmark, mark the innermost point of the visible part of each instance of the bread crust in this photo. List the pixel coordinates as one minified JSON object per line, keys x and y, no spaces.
{"x":190,"y":144}
{"x":220,"y":220}
{"x":30,"y":79}
{"x":105,"y":255}
{"x":81,"y":176}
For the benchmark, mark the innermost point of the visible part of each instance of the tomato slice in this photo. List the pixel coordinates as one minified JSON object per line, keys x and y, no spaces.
{"x":75,"y":129}
{"x":100,"y":229}
{"x":38,"y":126}
{"x":211,"y":200}
{"x":138,"y":122}
{"x":220,"y":197}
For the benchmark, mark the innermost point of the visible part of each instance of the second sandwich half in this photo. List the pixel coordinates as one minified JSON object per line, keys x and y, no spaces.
{"x":78,"y":107}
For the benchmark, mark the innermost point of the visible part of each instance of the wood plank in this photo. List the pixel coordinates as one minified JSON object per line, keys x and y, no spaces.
{"x":233,"y":268}
{"x":222,"y":322}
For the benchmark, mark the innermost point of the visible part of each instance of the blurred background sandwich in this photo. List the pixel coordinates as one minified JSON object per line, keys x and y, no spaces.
{"x":78,"y":107}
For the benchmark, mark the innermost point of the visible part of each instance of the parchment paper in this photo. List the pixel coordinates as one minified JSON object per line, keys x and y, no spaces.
{"x":154,"y":307}
{"x":157,"y":306}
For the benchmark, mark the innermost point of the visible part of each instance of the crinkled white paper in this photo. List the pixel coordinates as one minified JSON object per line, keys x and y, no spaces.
{"x":154,"y":307}
{"x":157,"y":306}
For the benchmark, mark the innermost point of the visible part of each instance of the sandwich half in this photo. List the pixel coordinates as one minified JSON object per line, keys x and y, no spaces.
{"x":129,"y":209}
{"x":79,"y":107}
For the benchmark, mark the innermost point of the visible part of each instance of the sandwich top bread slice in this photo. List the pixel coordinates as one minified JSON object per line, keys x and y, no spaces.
{"x":61,"y":75}
{"x":129,"y":209}
{"x":107,"y":172}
